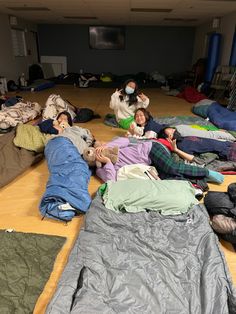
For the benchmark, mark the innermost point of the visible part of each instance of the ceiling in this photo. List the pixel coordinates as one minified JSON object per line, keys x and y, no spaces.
{"x":119,"y":12}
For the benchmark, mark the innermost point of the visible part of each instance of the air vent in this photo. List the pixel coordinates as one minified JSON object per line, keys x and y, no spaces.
{"x":29,"y":8}
{"x":81,"y":17}
{"x":153,"y":10}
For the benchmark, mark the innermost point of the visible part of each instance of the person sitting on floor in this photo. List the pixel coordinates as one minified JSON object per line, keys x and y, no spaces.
{"x":125,"y":101}
{"x":150,"y":153}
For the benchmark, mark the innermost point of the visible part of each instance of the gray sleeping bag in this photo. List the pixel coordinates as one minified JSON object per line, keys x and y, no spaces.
{"x":145,"y":263}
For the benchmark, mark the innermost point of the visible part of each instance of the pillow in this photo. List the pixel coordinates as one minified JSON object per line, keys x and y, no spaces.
{"x":169,"y":197}
{"x":201,"y":111}
{"x":188,"y":130}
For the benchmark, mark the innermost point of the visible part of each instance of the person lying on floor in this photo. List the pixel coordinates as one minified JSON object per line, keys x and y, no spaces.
{"x":31,"y":138}
{"x":145,"y":125}
{"x":57,"y":126}
{"x":125,"y":101}
{"x":150,"y":153}
{"x":63,"y":126}
{"x":193,"y":145}
{"x":82,"y":138}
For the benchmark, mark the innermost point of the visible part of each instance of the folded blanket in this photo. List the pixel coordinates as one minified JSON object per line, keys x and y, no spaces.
{"x":30,"y":137}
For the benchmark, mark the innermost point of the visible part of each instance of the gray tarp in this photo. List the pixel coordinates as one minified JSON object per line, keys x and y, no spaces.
{"x":145,"y":263}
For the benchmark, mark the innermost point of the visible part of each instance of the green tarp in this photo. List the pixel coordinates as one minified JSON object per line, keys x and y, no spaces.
{"x":26,"y":262}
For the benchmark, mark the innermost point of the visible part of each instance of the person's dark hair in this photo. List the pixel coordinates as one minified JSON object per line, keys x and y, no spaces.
{"x":132,"y":97}
{"x":162,"y":133}
{"x":66,"y":113}
{"x":146,"y":113}
{"x":176,"y":136}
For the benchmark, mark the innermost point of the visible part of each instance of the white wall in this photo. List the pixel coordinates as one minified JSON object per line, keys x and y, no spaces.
{"x":227,"y":28}
{"x":11,"y":67}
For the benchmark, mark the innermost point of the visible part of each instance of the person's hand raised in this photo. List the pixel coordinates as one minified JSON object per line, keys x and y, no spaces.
{"x":173,"y":144}
{"x":142,"y":96}
{"x":119,"y":91}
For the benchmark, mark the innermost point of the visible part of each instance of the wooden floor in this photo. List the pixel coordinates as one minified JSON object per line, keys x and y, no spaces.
{"x":20,"y":198}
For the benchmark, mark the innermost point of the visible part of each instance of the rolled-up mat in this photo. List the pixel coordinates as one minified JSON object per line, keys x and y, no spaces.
{"x":232,"y":60}
{"x":213,"y":56}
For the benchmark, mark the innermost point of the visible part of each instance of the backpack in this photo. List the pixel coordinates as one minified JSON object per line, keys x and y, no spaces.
{"x":84,"y":115}
{"x":11,"y":86}
{"x":35,"y":73}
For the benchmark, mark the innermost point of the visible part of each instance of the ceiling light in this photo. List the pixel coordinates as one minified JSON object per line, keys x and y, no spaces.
{"x":81,"y":17}
{"x":28,"y":8}
{"x":150,"y":10}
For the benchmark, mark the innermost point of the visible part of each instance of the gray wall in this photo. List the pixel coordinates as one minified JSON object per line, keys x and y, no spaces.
{"x":11,"y":67}
{"x":227,"y":28}
{"x":165,"y":49}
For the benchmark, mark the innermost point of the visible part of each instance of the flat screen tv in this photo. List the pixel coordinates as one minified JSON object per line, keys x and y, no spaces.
{"x":107,"y":37}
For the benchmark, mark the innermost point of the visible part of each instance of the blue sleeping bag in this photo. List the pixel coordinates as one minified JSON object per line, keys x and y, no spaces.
{"x":222,"y":117}
{"x":68,"y":181}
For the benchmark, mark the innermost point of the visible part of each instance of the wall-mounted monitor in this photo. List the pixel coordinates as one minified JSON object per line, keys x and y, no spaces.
{"x":107,"y":37}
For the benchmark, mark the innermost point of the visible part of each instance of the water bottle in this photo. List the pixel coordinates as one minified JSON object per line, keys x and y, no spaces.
{"x":22,"y":80}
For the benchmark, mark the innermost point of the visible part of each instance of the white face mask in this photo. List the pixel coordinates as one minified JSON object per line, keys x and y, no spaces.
{"x":129,"y":90}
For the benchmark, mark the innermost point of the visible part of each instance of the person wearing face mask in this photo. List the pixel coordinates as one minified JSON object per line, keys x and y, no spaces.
{"x":194,"y":145}
{"x":125,"y":101}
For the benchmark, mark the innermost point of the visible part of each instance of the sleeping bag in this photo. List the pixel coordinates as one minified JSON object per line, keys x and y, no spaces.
{"x":67,"y":188}
{"x":222,"y":117}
